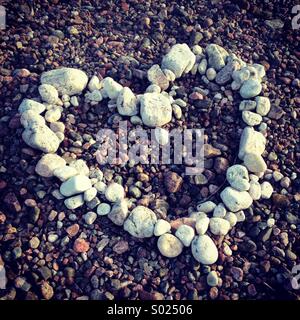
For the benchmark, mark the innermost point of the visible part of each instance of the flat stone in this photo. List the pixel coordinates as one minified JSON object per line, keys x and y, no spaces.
{"x":169,"y":246}
{"x":206,"y":207}
{"x":255,"y":162}
{"x":103,"y":209}
{"x":63,"y":173}
{"x":247,"y":105}
{"x":74,"y":185}
{"x":251,"y":118}
{"x":74,"y":202}
{"x":28,"y":104}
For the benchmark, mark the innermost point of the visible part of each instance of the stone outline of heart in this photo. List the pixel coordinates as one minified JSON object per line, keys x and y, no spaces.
{"x":180,"y":239}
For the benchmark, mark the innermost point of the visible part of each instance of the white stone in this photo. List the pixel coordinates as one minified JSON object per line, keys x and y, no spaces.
{"x":197,"y":50}
{"x":48,"y":93}
{"x":250,"y":88}
{"x":119,"y":212}
{"x":169,"y":246}
{"x":185,"y":234}
{"x":74,"y":185}
{"x":156,"y":109}
{"x":211,"y":74}
{"x":103,"y":209}
{"x":251,"y":142}
{"x":277,"y":176}
{"x":30,"y":118}
{"x":236,"y":200}
{"x":169,"y":74}
{"x":219,"y":226}
{"x":216,"y":56}
{"x":266,"y":190}
{"x":141,"y":222}
{"x":255,"y":190}
{"x":41,"y":137}
{"x":28,"y":104}
{"x":57,"y":126}
{"x":74,"y":101}
{"x":64,"y":173}
{"x":255,"y":162}
{"x":90,"y":194}
{"x":90,"y":217}
{"x":94,"y":84}
{"x":251,"y":118}
{"x":206,"y":207}
{"x":240,"y":215}
{"x":231,"y":218}
{"x":100,"y":186}
{"x":114,"y":192}
{"x":263,"y":105}
{"x":271,"y":222}
{"x":53,"y":115}
{"x":204,"y":250}
{"x":112,"y":88}
{"x":202,"y":225}
{"x":202,"y":66}
{"x":81,"y":167}
{"x":74,"y":202}
{"x":161,"y":227}
{"x":127,"y":102}
{"x":94,"y":96}
{"x":48,"y":163}
{"x":68,"y":81}
{"x":180,"y":59}
{"x":161,"y":136}
{"x":156,"y":76}
{"x":238,"y":178}
{"x":153,"y":88}
{"x":220,"y":211}
{"x":212,"y":279}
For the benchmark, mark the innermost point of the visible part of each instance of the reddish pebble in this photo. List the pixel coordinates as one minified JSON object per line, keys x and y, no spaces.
{"x":73,"y":230}
{"x":196,"y":96}
{"x":121,"y":247}
{"x":81,"y":245}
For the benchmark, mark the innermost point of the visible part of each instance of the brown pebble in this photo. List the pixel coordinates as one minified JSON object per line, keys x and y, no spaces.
{"x":81,"y":245}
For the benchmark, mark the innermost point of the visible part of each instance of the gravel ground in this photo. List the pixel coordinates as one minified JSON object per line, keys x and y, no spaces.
{"x":122,"y":39}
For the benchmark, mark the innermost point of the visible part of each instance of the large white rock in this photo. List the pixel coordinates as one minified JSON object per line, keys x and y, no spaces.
{"x":161,"y":227}
{"x":156,"y":109}
{"x":180,"y":59}
{"x":263,"y":105}
{"x":236,"y":200}
{"x":127,"y":102}
{"x":204,"y":250}
{"x":69,"y":81}
{"x":30,"y":118}
{"x":48,"y":93}
{"x":206,"y":207}
{"x":238,"y":178}
{"x":74,"y":185}
{"x":169,"y":246}
{"x":28,"y":104}
{"x":202,"y":225}
{"x":141,"y":222}
{"x":114,"y":192}
{"x":185,"y":234}
{"x":251,"y":142}
{"x":251,"y":118}
{"x":219,"y":226}
{"x":41,"y":137}
{"x":111,"y":88}
{"x":255,"y":162}
{"x":48,"y":163}
{"x":266,"y":190}
{"x":64,"y":173}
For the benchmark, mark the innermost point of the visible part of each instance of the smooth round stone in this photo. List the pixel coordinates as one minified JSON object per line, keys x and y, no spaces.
{"x":94,"y":84}
{"x":250,"y":88}
{"x":161,"y":227}
{"x":177,"y":111}
{"x":211,"y":74}
{"x":197,"y":50}
{"x":240,"y":215}
{"x":74,"y":185}
{"x":219,"y":226}
{"x":74,"y":202}
{"x":255,"y":190}
{"x":90,"y":217}
{"x":169,"y":246}
{"x":161,"y":136}
{"x":263,"y":105}
{"x":206,"y":207}
{"x":212,"y":279}
{"x":255,"y":162}
{"x":231,"y":218}
{"x":236,"y":200}
{"x":64,"y":173}
{"x":238,"y":178}
{"x":111,"y":87}
{"x":204,"y":250}
{"x":48,"y":93}
{"x":266,"y":190}
{"x":251,"y":118}
{"x":100,"y":186}
{"x":185,"y":234}
{"x":90,"y":194}
{"x":220,"y":211}
{"x":48,"y":163}
{"x":114,"y":192}
{"x":202,"y":225}
{"x":52,"y":237}
{"x":202,"y":66}
{"x":141,"y":222}
{"x":103,"y":209}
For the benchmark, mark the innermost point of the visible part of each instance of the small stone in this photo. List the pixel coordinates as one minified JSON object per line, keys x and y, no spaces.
{"x":210,"y":151}
{"x":216,"y":56}
{"x":34,"y":242}
{"x":236,"y":200}
{"x":74,"y":185}
{"x":64,"y":173}
{"x":206,"y":207}
{"x":212,"y":279}
{"x":173,"y":182}
{"x":48,"y":163}
{"x":119,"y":212}
{"x":280,"y":200}
{"x":255,"y":190}
{"x":90,"y":194}
{"x":185,"y":234}
{"x":28,"y":104}
{"x":80,"y":166}
{"x":114,"y":192}
{"x":74,"y":202}
{"x":220,"y":211}
{"x":204,"y":250}
{"x":237,"y":273}
{"x":48,"y":93}
{"x":202,"y":66}
{"x":266,"y":190}
{"x":161,"y":136}
{"x":157,"y":76}
{"x":103,"y":209}
{"x":112,"y":88}
{"x":250,"y":88}
{"x":255,"y":162}
{"x":127,"y":102}
{"x":81,"y":245}
{"x":231,"y":218}
{"x":202,"y":225}
{"x":251,"y":118}
{"x":121,"y":247}
{"x":161,"y":227}
{"x":169,"y":246}
{"x":247,"y":105}
{"x":219,"y":226}
{"x":211,"y":74}
{"x":238,"y":178}
{"x":94,"y":84}
{"x":73,"y":230}
{"x":46,"y":290}
{"x":90,"y":217}
{"x":263,"y":105}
